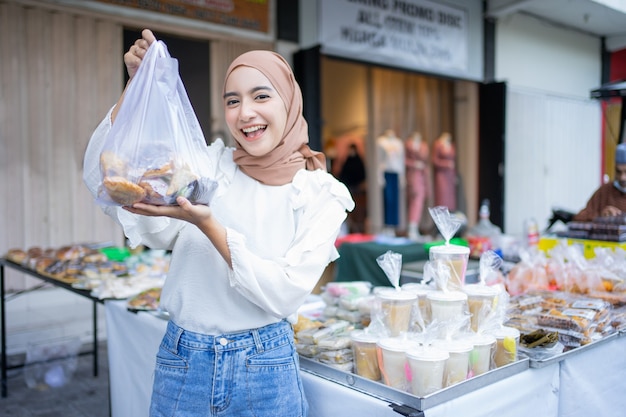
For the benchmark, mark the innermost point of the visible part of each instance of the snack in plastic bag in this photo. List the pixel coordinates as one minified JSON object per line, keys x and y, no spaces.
{"x":155,"y":150}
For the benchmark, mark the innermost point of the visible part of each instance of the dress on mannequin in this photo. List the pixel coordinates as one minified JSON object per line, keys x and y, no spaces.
{"x":443,"y":160}
{"x":391,"y":169}
{"x":417,"y":180}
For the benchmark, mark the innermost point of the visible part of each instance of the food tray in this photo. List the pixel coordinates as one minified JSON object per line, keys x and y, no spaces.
{"x":384,"y":392}
{"x":559,"y":357}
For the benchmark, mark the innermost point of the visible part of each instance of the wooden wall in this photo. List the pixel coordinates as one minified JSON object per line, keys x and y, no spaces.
{"x":59,"y":74}
{"x":60,"y":71}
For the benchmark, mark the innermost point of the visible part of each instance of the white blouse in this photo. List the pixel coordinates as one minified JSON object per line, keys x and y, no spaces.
{"x":281,"y":238}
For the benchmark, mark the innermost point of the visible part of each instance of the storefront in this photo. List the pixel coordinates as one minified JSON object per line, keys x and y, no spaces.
{"x":386,"y":73}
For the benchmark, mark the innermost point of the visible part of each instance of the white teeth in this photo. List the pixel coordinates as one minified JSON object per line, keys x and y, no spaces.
{"x":252,"y":129}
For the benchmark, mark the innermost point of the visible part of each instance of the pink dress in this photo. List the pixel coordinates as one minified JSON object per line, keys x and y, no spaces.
{"x":445,"y":174}
{"x":416,"y":163}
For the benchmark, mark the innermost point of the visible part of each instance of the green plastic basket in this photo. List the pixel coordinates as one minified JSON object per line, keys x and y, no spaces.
{"x":116,"y":253}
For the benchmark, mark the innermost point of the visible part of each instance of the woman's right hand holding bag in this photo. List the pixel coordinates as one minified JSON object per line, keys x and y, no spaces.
{"x":133,"y":58}
{"x":155,"y":150}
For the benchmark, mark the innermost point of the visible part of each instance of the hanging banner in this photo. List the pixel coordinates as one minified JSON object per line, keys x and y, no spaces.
{"x":242,"y":14}
{"x":415,"y":34}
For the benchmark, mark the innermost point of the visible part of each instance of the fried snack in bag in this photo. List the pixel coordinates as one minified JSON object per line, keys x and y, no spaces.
{"x":155,"y":150}
{"x":529,"y":273}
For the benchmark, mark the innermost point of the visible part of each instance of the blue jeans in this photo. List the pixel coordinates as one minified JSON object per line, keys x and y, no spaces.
{"x":251,"y":373}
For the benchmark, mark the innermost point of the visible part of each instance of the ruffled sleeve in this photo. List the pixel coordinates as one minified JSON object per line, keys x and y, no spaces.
{"x":279,"y":286}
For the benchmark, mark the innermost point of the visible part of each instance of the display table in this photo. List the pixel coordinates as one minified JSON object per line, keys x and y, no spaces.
{"x":357,"y":261}
{"x":5,"y":263}
{"x":590,"y":383}
{"x":593,"y":383}
{"x":133,"y":341}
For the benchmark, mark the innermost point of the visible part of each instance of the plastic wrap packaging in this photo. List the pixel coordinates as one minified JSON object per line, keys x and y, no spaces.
{"x":529,"y":273}
{"x":578,"y":319}
{"x":365,"y":356}
{"x":348,"y":301}
{"x":51,"y":364}
{"x":540,"y":344}
{"x":486,"y":303}
{"x":155,"y":150}
{"x":454,"y":256}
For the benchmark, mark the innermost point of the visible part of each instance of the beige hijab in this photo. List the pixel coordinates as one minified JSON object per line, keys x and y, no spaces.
{"x":279,"y":166}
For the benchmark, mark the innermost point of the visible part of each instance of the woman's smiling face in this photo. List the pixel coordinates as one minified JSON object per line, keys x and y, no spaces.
{"x":255,"y":113}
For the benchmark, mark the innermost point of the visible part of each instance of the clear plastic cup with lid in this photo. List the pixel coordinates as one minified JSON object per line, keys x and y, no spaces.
{"x":392,"y":361}
{"x":481,"y":357}
{"x":364,"y":354}
{"x":481,"y":300}
{"x":427,"y":365}
{"x":447,"y":306}
{"x":423,"y":305}
{"x":394,"y":309}
{"x":457,"y":365}
{"x":507,"y":345}
{"x":456,"y":258}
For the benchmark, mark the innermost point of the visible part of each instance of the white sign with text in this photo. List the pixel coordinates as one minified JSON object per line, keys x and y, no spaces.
{"x":415,"y":34}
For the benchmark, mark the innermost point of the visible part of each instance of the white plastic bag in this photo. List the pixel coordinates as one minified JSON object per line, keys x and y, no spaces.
{"x":155,"y":150}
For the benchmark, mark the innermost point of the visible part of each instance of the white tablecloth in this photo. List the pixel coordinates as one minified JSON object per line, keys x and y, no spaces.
{"x":591,"y":383}
{"x":133,"y":341}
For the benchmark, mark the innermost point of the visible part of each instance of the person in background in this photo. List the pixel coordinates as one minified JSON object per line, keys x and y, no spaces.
{"x":353,"y":175}
{"x":243,"y":265}
{"x":610,"y":198}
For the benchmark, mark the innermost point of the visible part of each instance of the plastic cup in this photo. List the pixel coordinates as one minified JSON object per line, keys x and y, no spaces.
{"x":457,"y":365}
{"x":507,"y":344}
{"x":364,"y":354}
{"x":447,"y":306}
{"x":423,"y":305}
{"x":481,"y":354}
{"x":392,"y":361}
{"x":427,"y":367}
{"x":456,"y":258}
{"x":395,"y":309}
{"x":481,"y":300}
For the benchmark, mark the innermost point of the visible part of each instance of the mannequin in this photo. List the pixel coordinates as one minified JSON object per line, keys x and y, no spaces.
{"x":417,"y":180}
{"x":443,"y":159}
{"x":391,"y":177}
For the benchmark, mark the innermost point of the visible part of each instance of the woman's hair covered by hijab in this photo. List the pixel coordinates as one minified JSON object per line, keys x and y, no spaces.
{"x":279,"y":166}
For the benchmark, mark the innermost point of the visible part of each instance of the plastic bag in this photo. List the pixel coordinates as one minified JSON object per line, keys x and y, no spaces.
{"x":155,"y":150}
{"x":391,"y":263}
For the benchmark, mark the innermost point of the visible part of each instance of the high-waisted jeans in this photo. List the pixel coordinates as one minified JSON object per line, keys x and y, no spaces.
{"x":251,"y":373}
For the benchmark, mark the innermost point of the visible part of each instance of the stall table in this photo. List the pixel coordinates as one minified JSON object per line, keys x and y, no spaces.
{"x":4,"y":263}
{"x":591,"y":381}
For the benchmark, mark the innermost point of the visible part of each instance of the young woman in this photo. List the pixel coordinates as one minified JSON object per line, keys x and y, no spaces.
{"x":242,"y":266}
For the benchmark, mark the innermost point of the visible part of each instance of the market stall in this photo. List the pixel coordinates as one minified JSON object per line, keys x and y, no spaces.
{"x":4,"y":263}
{"x":89,"y":271}
{"x":577,"y":384}
{"x":592,"y":366}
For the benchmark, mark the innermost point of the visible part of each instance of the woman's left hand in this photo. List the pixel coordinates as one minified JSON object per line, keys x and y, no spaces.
{"x":192,"y":213}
